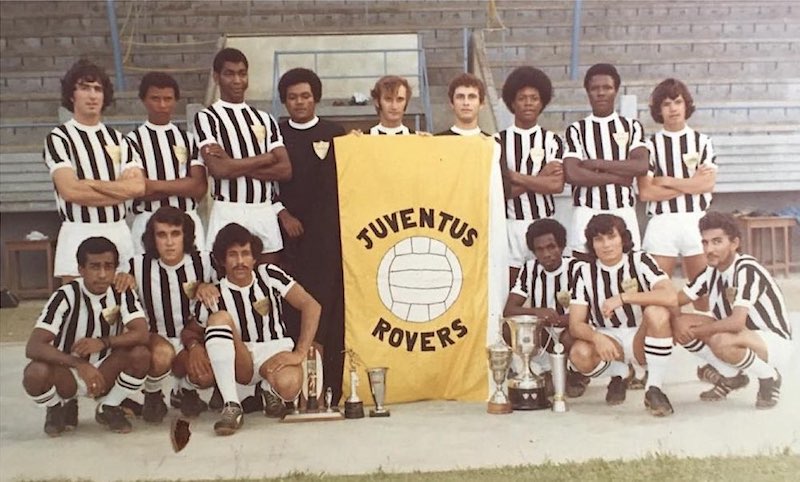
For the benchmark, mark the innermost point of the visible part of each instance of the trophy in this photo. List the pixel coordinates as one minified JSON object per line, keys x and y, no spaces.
{"x":526,"y":390}
{"x":499,"y":359}
{"x":558,"y":362}
{"x":377,"y":385}
{"x":312,"y":391}
{"x":353,"y":406}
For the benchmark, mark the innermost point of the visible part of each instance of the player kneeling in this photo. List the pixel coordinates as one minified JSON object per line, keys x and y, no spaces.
{"x":90,"y":340}
{"x":748,"y":330}
{"x":171,"y":277}
{"x":619,"y":314}
{"x":245,"y":338}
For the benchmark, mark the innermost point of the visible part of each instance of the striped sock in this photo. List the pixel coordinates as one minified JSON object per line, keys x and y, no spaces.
{"x":47,"y":399}
{"x":221,"y":352}
{"x":618,"y":369}
{"x":703,"y":351}
{"x":657,"y":352}
{"x":755,"y":366}
{"x":153,"y":384}
{"x":125,"y":386}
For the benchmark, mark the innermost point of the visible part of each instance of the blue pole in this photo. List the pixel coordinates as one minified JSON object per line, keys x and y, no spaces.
{"x":112,"y":24}
{"x":576,"y":40}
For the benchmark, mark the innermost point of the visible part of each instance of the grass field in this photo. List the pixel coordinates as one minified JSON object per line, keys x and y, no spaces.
{"x":782,"y":467}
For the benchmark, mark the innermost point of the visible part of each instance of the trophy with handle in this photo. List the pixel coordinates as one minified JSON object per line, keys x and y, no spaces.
{"x":499,"y":359}
{"x":353,"y":406}
{"x":377,"y":385}
{"x":526,"y":390}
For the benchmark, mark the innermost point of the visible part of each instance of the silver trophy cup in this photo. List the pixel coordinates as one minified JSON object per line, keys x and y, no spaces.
{"x":499,"y":360}
{"x":377,"y":385}
{"x":526,"y":390}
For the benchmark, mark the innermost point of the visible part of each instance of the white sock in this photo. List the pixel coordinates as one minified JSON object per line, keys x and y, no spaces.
{"x":755,"y":366}
{"x":125,"y":386}
{"x":48,"y":399}
{"x":657,"y":352}
{"x":153,"y":384}
{"x":594,"y":372}
{"x":187,"y":384}
{"x":177,"y":382}
{"x":617,"y":369}
{"x":221,"y":352}
{"x":704,"y":352}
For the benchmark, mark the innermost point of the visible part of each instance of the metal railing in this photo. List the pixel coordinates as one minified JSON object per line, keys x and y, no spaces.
{"x":421,"y":74}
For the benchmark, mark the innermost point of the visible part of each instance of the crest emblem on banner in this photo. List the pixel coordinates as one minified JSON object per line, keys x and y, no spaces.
{"x":262,"y":306}
{"x":621,"y":138}
{"x":537,"y":156}
{"x":259,"y":131}
{"x":111,"y":315}
{"x":113,"y":152}
{"x":181,"y":154}
{"x":321,"y":149}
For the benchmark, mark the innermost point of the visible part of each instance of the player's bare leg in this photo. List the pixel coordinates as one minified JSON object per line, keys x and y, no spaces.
{"x":747,"y":351}
{"x":52,"y":387}
{"x":124,"y":372}
{"x":161,"y":356}
{"x":586,"y":360}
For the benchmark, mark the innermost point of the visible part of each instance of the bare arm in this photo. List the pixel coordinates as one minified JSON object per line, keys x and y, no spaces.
{"x":270,"y":166}
{"x":194,"y":186}
{"x":80,"y":191}
{"x":732,"y":324}
{"x":650,"y":191}
{"x":578,"y":174}
{"x":703,"y":181}
{"x":662,"y":294}
{"x":135,"y":334}
{"x":514,"y":307}
{"x":129,"y":185}
{"x":40,"y":348}
{"x":310,"y":311}
{"x":578,"y":327}
{"x":550,"y":180}
{"x":635,"y":165}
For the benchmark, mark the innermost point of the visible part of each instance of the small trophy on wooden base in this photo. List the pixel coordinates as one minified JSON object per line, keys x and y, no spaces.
{"x":353,"y":406}
{"x":312,"y":390}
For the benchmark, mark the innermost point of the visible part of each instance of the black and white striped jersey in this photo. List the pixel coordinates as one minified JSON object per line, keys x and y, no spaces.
{"x":527,"y":151}
{"x":94,"y":152}
{"x":610,"y":138}
{"x":167,"y":153}
{"x":167,"y":292}
{"x":73,"y":313}
{"x":548,"y":289}
{"x":679,"y":154}
{"x":747,"y":284}
{"x":381,"y":130}
{"x":257,"y":308}
{"x":636,"y":272}
{"x":243,"y":131}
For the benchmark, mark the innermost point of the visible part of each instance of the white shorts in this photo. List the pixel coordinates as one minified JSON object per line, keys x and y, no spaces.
{"x":581,"y":216}
{"x":263,"y":351}
{"x":779,"y":350}
{"x":673,"y":234}
{"x":518,"y":251}
{"x":71,"y":235}
{"x":259,"y":219}
{"x":624,"y":336}
{"x":140,"y":224}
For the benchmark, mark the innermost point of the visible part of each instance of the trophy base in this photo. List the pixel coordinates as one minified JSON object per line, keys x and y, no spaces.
{"x":498,"y":408}
{"x":379,"y":413}
{"x":313,"y":417}
{"x":353,"y":409}
{"x":528,"y":398}
{"x":559,"y":406}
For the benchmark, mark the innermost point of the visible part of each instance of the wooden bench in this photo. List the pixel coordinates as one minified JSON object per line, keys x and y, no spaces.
{"x":769,"y":254}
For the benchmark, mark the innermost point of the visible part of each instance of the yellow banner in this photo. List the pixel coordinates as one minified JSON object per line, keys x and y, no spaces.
{"x":415,"y":246}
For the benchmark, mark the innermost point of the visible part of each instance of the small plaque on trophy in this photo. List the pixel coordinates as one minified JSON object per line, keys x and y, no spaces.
{"x":312,"y":389}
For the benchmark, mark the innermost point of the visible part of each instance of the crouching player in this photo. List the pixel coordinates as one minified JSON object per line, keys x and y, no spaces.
{"x":749,"y":329}
{"x":90,"y":340}
{"x":619,"y":312}
{"x":245,"y":338}
{"x":171,"y":277}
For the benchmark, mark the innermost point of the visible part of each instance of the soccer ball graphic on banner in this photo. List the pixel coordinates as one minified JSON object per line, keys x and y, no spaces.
{"x":419,"y":278}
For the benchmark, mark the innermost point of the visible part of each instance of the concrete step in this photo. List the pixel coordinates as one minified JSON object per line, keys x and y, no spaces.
{"x":50,"y":80}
